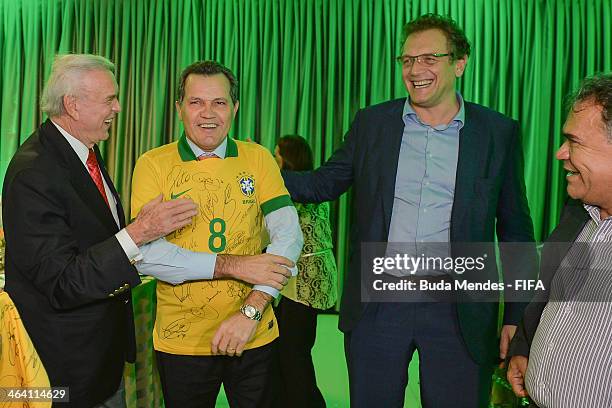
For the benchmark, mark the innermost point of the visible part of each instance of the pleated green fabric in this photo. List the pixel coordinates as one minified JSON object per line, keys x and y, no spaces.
{"x":305,"y":67}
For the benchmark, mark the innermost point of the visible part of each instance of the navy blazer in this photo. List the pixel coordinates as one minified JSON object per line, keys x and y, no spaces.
{"x":573,"y":219}
{"x":489,"y":197}
{"x":65,"y":270}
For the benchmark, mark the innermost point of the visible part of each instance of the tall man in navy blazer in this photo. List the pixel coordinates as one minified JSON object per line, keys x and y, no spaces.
{"x":428,"y":168}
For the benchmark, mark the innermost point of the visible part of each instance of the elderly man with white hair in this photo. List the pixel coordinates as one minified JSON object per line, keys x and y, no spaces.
{"x":69,"y":255}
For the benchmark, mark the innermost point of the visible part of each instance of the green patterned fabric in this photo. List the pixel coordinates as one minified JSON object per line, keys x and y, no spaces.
{"x":317,"y":280}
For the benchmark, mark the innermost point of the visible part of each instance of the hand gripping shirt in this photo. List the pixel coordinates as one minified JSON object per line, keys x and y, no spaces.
{"x":233,"y":195}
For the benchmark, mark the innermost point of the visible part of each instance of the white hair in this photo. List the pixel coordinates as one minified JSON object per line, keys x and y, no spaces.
{"x":65,"y":79}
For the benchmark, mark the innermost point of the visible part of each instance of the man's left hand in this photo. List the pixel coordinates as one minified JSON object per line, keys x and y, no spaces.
{"x":233,"y":335}
{"x":507,"y":332}
{"x":516,"y":375}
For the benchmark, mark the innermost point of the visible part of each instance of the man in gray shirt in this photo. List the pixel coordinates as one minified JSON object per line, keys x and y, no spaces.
{"x":560,"y":355}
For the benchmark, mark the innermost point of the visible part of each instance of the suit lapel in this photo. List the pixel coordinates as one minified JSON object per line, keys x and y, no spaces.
{"x":571,"y":224}
{"x":561,"y":240}
{"x":111,"y":186}
{"x":391,"y":132}
{"x":472,"y":161}
{"x":79,"y":176}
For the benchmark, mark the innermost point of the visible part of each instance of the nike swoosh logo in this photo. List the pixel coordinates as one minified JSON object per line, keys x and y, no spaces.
{"x":173,"y":196}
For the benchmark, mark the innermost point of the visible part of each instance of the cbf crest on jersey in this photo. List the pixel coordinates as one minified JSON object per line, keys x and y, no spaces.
{"x":247,"y":184}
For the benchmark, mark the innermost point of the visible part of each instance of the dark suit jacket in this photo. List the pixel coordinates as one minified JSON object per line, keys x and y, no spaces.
{"x":65,"y":270}
{"x":489,"y":187}
{"x":573,"y":219}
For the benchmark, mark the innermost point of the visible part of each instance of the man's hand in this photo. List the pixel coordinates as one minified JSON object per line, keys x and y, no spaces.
{"x":236,"y":331}
{"x":158,"y":218}
{"x":507,"y":332}
{"x":233,"y":334}
{"x":264,"y":269}
{"x":516,"y":375}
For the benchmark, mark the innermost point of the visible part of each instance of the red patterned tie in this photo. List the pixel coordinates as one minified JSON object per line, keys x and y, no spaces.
{"x":94,"y":172}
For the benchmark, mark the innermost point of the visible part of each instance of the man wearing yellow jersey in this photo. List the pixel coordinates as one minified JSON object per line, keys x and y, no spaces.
{"x":218,"y":330}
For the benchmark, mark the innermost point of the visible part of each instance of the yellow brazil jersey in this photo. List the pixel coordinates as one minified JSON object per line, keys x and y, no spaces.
{"x":233,"y":195}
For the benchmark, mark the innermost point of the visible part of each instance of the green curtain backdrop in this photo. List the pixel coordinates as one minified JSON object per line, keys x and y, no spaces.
{"x":305,"y":66}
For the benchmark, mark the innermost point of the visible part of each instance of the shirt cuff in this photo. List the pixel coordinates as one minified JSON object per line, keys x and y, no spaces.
{"x":128,"y":246}
{"x":267,"y":289}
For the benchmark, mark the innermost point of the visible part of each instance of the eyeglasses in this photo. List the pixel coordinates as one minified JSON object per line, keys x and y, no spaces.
{"x":426,"y":60}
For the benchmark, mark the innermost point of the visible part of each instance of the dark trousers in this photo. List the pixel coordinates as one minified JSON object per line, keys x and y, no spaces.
{"x":296,"y":384}
{"x":194,"y":381}
{"x":379,"y":349}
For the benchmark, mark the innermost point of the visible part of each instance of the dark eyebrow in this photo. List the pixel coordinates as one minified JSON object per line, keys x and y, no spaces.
{"x":197,"y":98}
{"x":570,"y":137}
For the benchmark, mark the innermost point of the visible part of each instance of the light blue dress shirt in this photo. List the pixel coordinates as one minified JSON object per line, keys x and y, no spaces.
{"x":425,"y":187}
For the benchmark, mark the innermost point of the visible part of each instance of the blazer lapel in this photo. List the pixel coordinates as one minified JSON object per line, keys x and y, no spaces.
{"x":571,"y":224}
{"x":111,"y":186}
{"x":472,"y":164}
{"x":79,"y":176}
{"x":392,"y":132}
{"x":559,"y":242}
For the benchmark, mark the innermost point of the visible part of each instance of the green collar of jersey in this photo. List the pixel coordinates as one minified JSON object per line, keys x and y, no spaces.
{"x":187,"y":154}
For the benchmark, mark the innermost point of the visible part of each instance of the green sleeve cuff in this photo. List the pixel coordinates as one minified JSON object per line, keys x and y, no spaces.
{"x":276,"y":203}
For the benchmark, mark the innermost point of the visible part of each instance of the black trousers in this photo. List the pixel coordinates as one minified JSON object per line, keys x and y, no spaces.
{"x":295,"y":381}
{"x":194,"y":381}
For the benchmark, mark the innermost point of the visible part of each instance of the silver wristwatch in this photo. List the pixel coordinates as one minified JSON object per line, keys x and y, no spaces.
{"x":250,"y":312}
